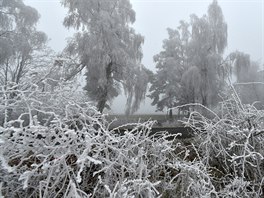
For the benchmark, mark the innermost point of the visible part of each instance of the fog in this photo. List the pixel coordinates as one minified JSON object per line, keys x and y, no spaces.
{"x":199,"y":63}
{"x":244,"y":19}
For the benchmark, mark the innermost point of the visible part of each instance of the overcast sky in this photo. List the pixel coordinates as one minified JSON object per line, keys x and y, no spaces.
{"x":245,"y":20}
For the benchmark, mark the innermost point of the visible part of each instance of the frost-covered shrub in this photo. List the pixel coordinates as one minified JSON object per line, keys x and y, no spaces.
{"x":75,"y":154}
{"x":43,"y":156}
{"x":44,"y":99}
{"x":87,"y":159}
{"x":231,"y":148}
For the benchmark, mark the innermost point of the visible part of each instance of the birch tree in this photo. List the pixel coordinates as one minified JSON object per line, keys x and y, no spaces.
{"x":189,"y":67}
{"x":108,"y":47}
{"x":209,"y":40}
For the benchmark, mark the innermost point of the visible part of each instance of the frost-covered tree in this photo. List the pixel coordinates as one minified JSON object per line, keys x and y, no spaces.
{"x":190,"y":67}
{"x":10,"y":11}
{"x":108,"y":47}
{"x":209,"y":40}
{"x":170,"y":65}
{"x":20,"y":45}
{"x":190,"y":86}
{"x":249,"y":82}
{"x":19,"y":40}
{"x":242,"y":66}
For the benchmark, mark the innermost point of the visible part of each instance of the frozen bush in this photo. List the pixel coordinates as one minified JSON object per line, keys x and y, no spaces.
{"x":75,"y":154}
{"x":231,"y":148}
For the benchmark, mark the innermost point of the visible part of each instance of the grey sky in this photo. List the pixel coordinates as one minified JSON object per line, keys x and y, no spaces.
{"x":245,"y":19}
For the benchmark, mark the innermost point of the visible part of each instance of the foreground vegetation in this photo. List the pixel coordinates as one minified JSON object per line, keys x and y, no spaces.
{"x":53,"y":143}
{"x":75,"y":154}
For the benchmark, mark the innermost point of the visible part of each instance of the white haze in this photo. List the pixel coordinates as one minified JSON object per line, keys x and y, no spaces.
{"x":245,"y":21}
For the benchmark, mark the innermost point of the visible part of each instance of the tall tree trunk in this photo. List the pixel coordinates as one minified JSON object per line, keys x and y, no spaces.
{"x":204,"y":90}
{"x":170,"y":114}
{"x":101,"y":103}
{"x":7,"y":96}
{"x":103,"y":97}
{"x":204,"y":101}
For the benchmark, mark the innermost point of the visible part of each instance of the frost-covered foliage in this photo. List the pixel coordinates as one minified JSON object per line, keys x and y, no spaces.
{"x":249,"y":80}
{"x":190,"y":68}
{"x":108,"y":47}
{"x":42,"y":97}
{"x":20,"y":41}
{"x":170,"y":65}
{"x":75,"y":154}
{"x":231,"y":148}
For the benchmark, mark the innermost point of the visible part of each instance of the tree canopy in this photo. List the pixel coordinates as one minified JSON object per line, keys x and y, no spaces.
{"x":108,"y":47}
{"x":19,"y":39}
{"x":170,"y":65}
{"x":249,"y":81}
{"x":188,"y":69}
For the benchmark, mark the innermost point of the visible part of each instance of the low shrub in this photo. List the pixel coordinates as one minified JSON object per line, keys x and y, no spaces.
{"x":75,"y":154}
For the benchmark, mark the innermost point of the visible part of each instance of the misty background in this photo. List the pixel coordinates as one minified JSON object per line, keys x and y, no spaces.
{"x":245,"y":20}
{"x":202,"y":66}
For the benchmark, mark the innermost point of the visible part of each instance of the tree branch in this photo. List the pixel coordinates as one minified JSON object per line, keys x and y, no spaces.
{"x":75,"y":72}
